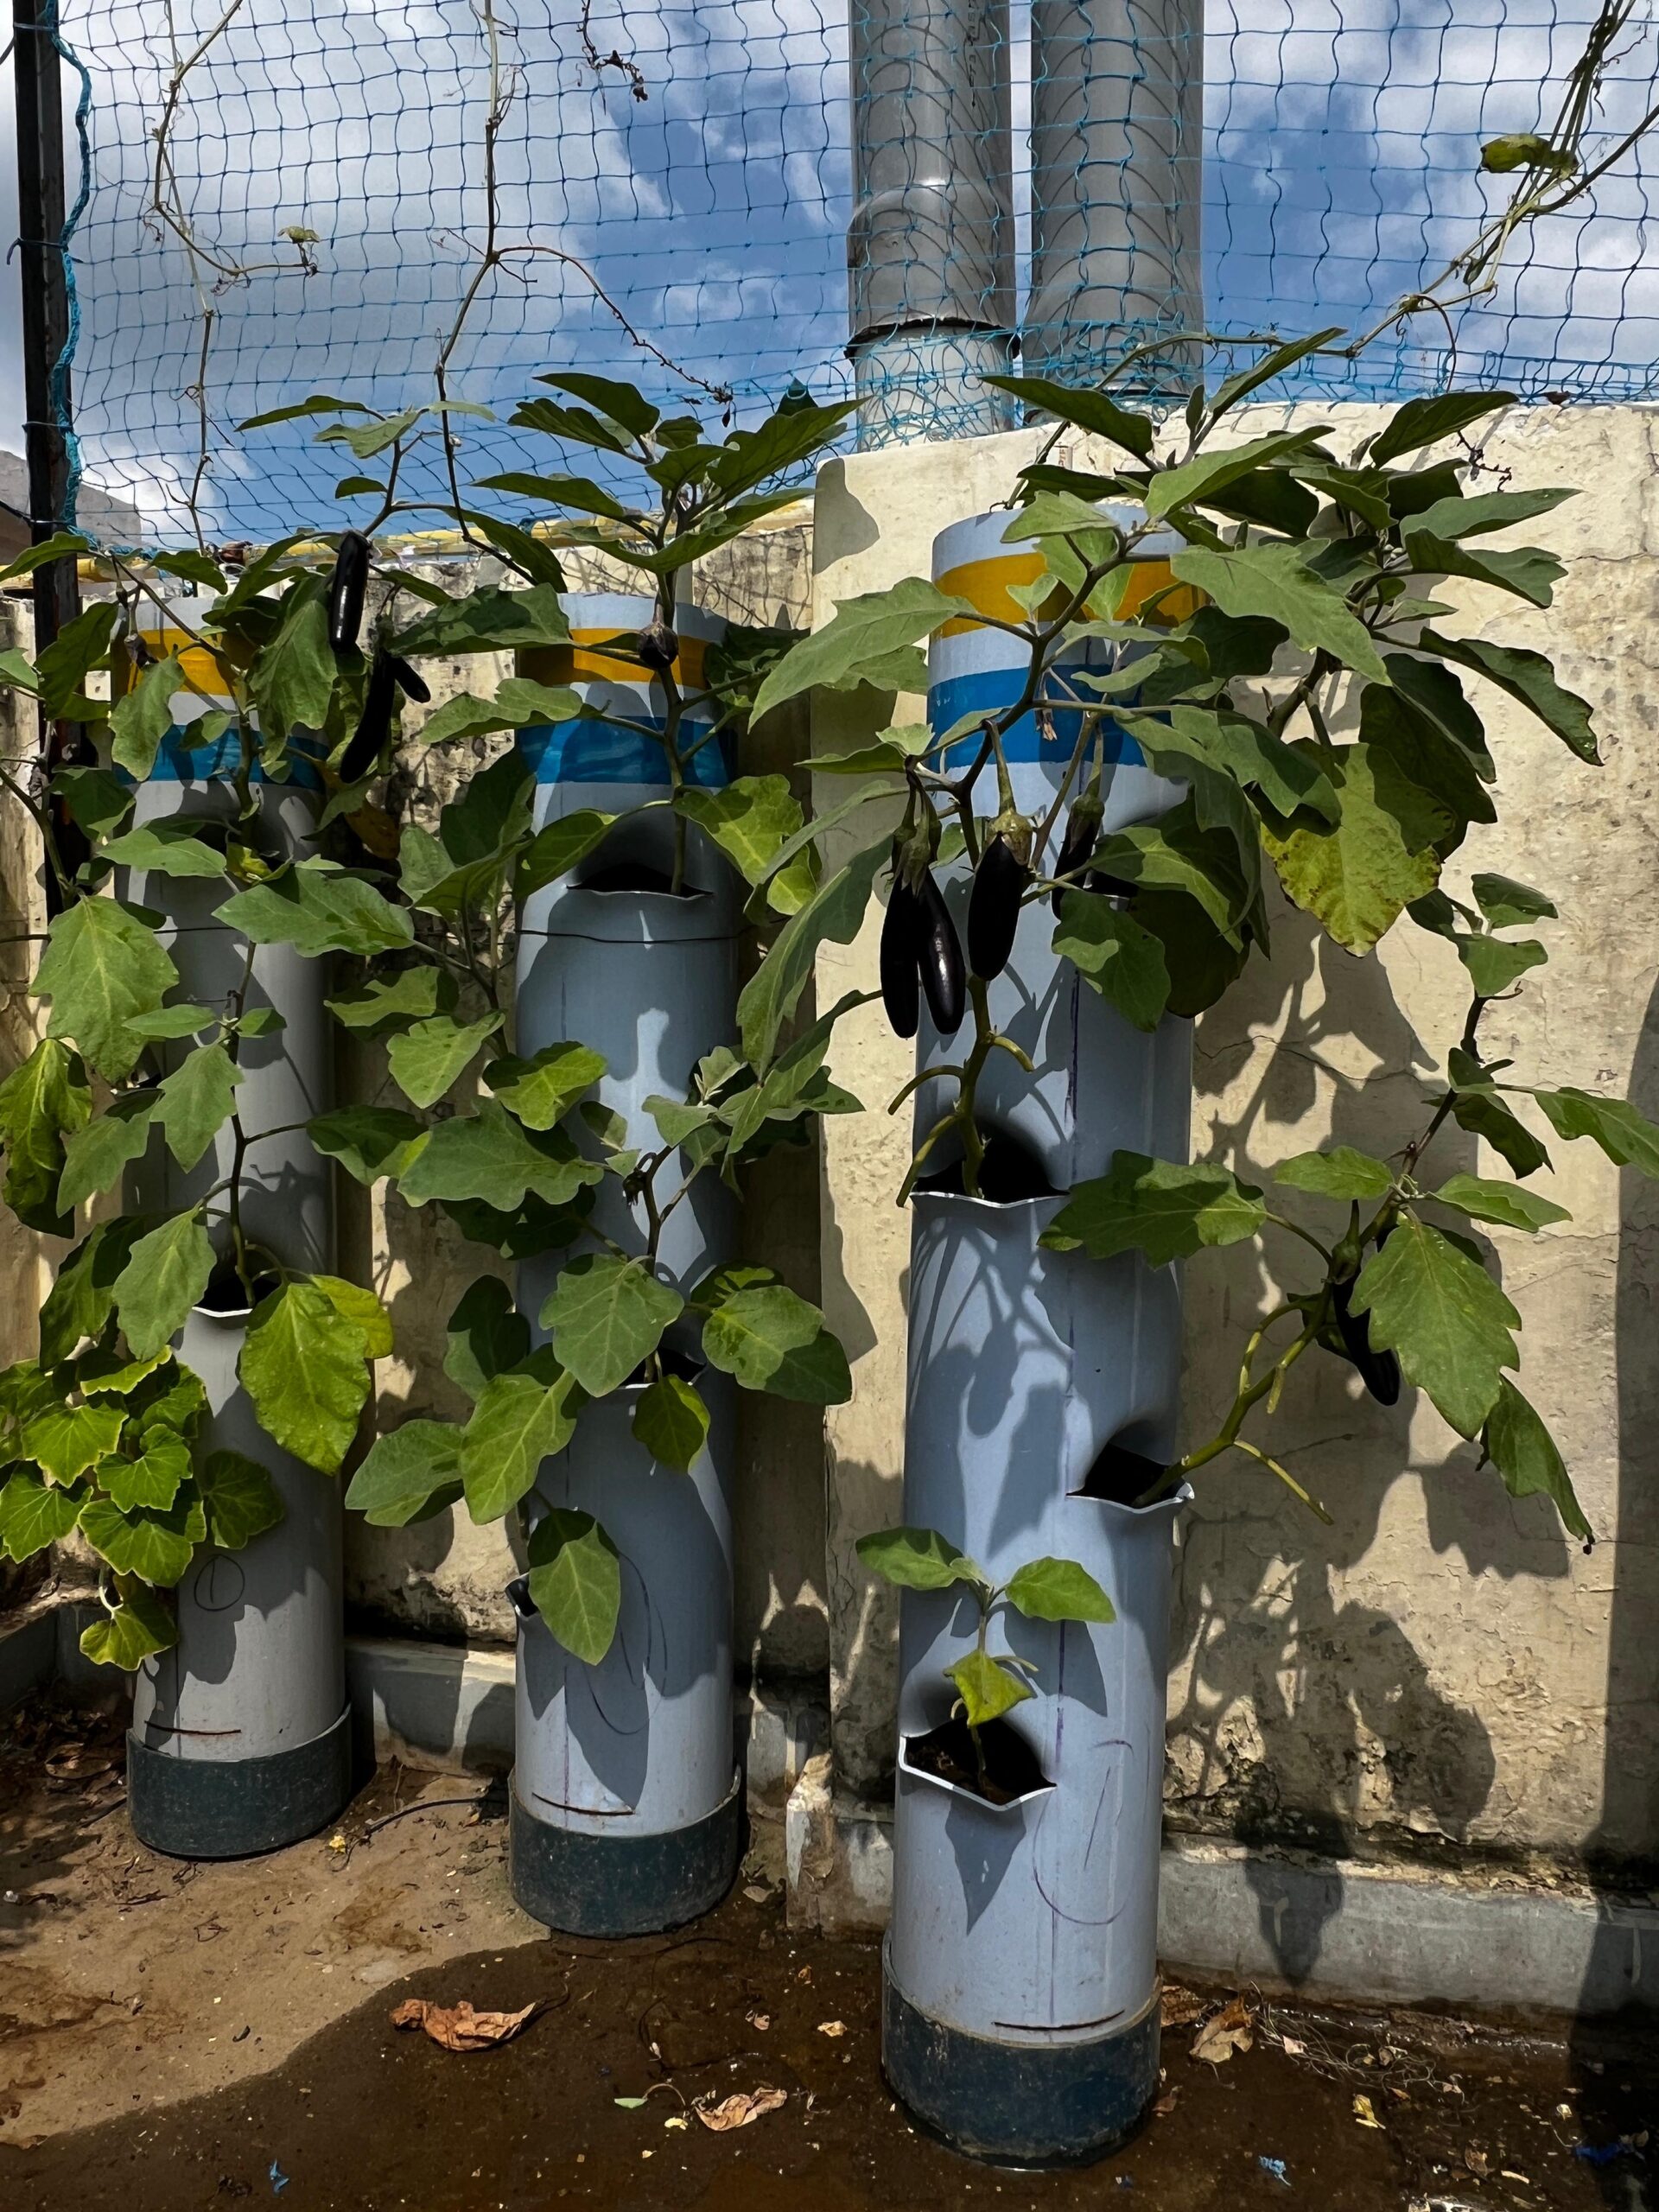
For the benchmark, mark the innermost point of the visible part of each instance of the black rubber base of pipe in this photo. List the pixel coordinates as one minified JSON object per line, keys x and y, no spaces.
{"x":1016,"y":2104}
{"x":235,"y":1809}
{"x":585,"y":1884}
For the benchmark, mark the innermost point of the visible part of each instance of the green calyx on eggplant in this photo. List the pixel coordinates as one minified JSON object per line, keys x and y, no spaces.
{"x":1000,"y":882}
{"x":346,"y":589}
{"x":387,"y":672}
{"x":1083,"y":827}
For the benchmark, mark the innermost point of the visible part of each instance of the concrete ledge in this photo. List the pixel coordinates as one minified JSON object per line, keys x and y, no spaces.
{"x":1324,"y":1928}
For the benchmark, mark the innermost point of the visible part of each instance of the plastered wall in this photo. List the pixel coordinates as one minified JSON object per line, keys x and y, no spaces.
{"x":1440,"y":1672}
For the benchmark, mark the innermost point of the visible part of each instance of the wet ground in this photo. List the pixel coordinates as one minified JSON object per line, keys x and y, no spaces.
{"x":148,"y":2065}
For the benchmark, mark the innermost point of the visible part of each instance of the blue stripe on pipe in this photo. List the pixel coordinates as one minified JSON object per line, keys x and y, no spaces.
{"x":179,"y":762}
{"x":992,"y":688}
{"x":589,"y":751}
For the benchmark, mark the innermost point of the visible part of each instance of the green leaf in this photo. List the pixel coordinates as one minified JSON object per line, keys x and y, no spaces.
{"x":1443,"y":1315}
{"x":576,"y":1582}
{"x":1484,"y":1115}
{"x":1628,"y":1138}
{"x":67,"y":1441}
{"x":359,"y":1305}
{"x":1525,"y":149}
{"x":80,"y":1300}
{"x":154,"y":1478}
{"x":1123,"y":961}
{"x":1358,"y":878}
{"x":1509,"y":904}
{"x":140,"y":1626}
{"x":489,"y":1156}
{"x":486,"y":1335}
{"x":519,"y":1421}
{"x":102,"y":965}
{"x":411,"y":994}
{"x":1272,"y":364}
{"x":750,"y":820}
{"x":1529,"y":574}
{"x":1338,"y":1172}
{"x":542,"y":1089}
{"x":157,"y":1546}
{"x":293,"y":677}
{"x":427,"y":1059}
{"x":304,"y":1365}
{"x":578,"y":491}
{"x":1499,"y":1202}
{"x":774,"y":1341}
{"x":80,"y":645}
{"x":1523,"y":1450}
{"x":96,"y":798}
{"x":1057,"y":1590}
{"x":862,"y":632}
{"x":788,"y":436}
{"x":918,"y":1559}
{"x":318,"y":402}
{"x":196,"y":1100}
{"x":240,"y":1499}
{"x":62,"y":545}
{"x":316,"y":907}
{"x":105,"y":1374}
{"x":606,"y":1316}
{"x":165,"y":1275}
{"x":485,"y":622}
{"x":141,"y":718}
{"x":1424,"y":421}
{"x":518,"y":703}
{"x":1479,"y":513}
{"x":166,"y":847}
{"x":1094,"y":411}
{"x":560,"y":846}
{"x":833,"y":916}
{"x":1194,"y":482}
{"x":1528,"y":677}
{"x":1493,"y":964}
{"x":618,"y":402}
{"x":369,"y":1141}
{"x":671,"y":1422}
{"x":1271,"y":580}
{"x":33,"y":1514}
{"x":409,"y":1475}
{"x":1158,"y":1208}
{"x":169,"y":1023}
{"x":42,"y":1101}
{"x":988,"y":1689}
{"x":906,"y":742}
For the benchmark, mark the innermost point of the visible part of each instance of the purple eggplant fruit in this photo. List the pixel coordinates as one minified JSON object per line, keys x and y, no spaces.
{"x":903,"y":931}
{"x":345,"y":590}
{"x":1000,"y":883}
{"x":944,"y":979}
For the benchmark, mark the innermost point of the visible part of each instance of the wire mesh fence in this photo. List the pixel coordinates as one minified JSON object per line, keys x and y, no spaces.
{"x":286,"y":196}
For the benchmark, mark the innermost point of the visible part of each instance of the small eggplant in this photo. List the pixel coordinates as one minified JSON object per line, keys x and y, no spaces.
{"x":658,"y":646}
{"x":374,"y":725}
{"x":345,"y":590}
{"x":1000,"y":883}
{"x":902,"y":934}
{"x":1378,"y":1371}
{"x":1082,"y":836}
{"x":414,"y":685}
{"x":944,"y":980}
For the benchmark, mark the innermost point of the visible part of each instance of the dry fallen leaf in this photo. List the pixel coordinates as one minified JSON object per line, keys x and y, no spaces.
{"x":1167,"y":2104}
{"x":832,"y":2027}
{"x":1180,"y":2005}
{"x":1363,"y":2113}
{"x":1291,"y":2047}
{"x":738,"y":2111}
{"x":1217,"y":2039}
{"x":457,"y":2027}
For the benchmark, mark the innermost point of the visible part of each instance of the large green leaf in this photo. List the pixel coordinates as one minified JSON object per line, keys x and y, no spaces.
{"x":863,"y":633}
{"x":1359,"y":878}
{"x":165,"y":1275}
{"x":1509,"y":904}
{"x":1494,"y":963}
{"x":304,"y":1365}
{"x":488,"y":1155}
{"x":1444,"y":1317}
{"x":1478,"y":513}
{"x":33,"y":1513}
{"x":540,"y":1090}
{"x":157,"y":1547}
{"x":750,"y":819}
{"x":606,"y":1315}
{"x":360,"y":1304}
{"x":138,"y":1627}
{"x":141,"y":717}
{"x":409,"y":1475}
{"x":316,"y":907}
{"x":1627,"y":1137}
{"x":790,"y":434}
{"x":833,"y":916}
{"x":1528,"y":677}
{"x":66,"y":1440}
{"x":1424,"y":421}
{"x":1338,"y":1172}
{"x":369,"y":1141}
{"x":519,"y":702}
{"x":1123,"y":961}
{"x":1529,"y":574}
{"x":102,"y":965}
{"x":240,"y":1499}
{"x":1523,"y":1450}
{"x":196,"y":1100}
{"x":671,"y":1421}
{"x":1272,"y":579}
{"x":154,"y":1478}
{"x":167,"y":848}
{"x":1156,"y":1207}
{"x":486,"y":621}
{"x":1057,"y":1590}
{"x":576,"y":1582}
{"x":519,"y":1421}
{"x":1176,"y":854}
{"x":486,"y":1335}
{"x":427,"y":1059}
{"x":1484,"y":1115}
{"x":988,"y":1689}
{"x":918,"y":1559}
{"x":1197,"y":481}
{"x":82,"y":1298}
{"x":1092,"y":410}
{"x":293,"y":677}
{"x":410,"y":996}
{"x":42,"y":1101}
{"x":771,"y":1340}
{"x":1483,"y":1201}
{"x":560,"y":846}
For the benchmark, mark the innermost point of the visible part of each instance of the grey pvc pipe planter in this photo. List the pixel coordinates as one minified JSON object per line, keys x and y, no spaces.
{"x":626,"y":1805}
{"x":1020,"y":1989}
{"x":241,"y":1740}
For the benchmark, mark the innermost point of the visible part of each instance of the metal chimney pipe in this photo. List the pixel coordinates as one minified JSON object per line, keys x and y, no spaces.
{"x":1117,"y":129}
{"x":930,"y":249}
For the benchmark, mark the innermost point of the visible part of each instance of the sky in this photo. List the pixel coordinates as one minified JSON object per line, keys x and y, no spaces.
{"x":1341,"y":148}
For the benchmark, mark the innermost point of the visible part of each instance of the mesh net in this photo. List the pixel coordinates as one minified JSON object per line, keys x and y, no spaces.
{"x":673,"y":184}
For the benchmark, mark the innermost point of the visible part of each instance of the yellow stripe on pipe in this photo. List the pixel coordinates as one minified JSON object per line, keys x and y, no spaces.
{"x":989,"y":586}
{"x":200,"y":668}
{"x":583,"y":660}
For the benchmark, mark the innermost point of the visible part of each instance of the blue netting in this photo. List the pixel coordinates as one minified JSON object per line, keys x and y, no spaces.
{"x":691,"y":160}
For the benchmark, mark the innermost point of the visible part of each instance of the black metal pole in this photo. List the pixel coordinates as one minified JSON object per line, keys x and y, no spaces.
{"x":40,"y":204}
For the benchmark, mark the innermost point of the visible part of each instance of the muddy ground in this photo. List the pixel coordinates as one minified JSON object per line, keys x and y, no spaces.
{"x":174,"y":2036}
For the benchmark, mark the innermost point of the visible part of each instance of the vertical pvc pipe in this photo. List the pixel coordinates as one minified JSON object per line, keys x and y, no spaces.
{"x":1020,"y":2016}
{"x":930,"y":249}
{"x":1116,"y":141}
{"x":626,"y":1808}
{"x":241,"y":1740}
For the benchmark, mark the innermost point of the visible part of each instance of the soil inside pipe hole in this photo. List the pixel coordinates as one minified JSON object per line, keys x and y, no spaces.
{"x":1012,"y":1769}
{"x":1008,"y":1175}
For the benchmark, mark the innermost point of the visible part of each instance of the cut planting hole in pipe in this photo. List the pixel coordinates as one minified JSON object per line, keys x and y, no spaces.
{"x":1009,"y":1175}
{"x":227,"y":1296}
{"x":1122,"y":1476}
{"x":1004,"y":1770}
{"x":684,"y":1366}
{"x":634,"y":875}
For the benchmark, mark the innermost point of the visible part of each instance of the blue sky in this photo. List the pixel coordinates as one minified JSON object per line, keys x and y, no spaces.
{"x":1340,"y":138}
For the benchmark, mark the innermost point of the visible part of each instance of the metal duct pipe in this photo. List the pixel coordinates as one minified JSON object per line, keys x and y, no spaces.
{"x":930,"y":249}
{"x":1116,"y":131}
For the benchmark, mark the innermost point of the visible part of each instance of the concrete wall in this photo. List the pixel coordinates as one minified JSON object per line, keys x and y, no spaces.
{"x":1442,"y":1672}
